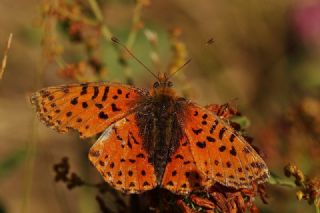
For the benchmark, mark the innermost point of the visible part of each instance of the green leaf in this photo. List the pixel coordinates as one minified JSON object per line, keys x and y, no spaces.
{"x":11,"y":162}
{"x":243,"y":121}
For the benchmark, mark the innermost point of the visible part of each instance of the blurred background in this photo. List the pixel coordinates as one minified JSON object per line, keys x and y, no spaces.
{"x":265,"y":55}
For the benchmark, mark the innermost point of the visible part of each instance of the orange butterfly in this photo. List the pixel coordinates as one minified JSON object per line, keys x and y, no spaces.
{"x":152,"y":137}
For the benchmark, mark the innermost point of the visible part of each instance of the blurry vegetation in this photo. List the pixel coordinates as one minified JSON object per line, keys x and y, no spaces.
{"x":265,"y":54}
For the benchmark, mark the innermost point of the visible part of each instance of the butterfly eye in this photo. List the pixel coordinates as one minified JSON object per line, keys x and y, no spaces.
{"x":169,"y":84}
{"x":156,"y":85}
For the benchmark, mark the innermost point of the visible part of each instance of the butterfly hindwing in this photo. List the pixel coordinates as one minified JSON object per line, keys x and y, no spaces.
{"x":181,"y":175}
{"x":119,"y":157}
{"x":219,"y":152}
{"x":87,"y":107}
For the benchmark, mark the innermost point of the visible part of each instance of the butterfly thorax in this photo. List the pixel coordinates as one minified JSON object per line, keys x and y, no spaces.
{"x":160,"y":128}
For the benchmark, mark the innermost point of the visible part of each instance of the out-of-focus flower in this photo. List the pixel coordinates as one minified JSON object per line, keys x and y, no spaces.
{"x":179,"y":50}
{"x":293,"y":170}
{"x":306,"y":18}
{"x":309,"y":187}
{"x":71,"y":71}
{"x":152,"y":37}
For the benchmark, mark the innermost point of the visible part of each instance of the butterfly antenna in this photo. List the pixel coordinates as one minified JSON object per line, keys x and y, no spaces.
{"x":117,"y":41}
{"x":180,"y":68}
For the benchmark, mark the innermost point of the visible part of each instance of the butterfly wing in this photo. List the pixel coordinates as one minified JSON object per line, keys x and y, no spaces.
{"x":211,"y":151}
{"x":220,"y":153}
{"x":87,"y":107}
{"x":181,"y":175}
{"x":128,"y":170}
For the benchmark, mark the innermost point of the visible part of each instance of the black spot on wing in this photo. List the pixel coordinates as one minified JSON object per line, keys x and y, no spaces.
{"x":84,"y":89}
{"x":233,"y":151}
{"x":132,"y":160}
{"x":221,"y":132}
{"x":133,"y":138}
{"x":174,"y":173}
{"x":105,"y":93}
{"x":232,"y":137}
{"x":146,"y":183}
{"x":178,"y":156}
{"x":102,"y":115}
{"x":170,"y":183}
{"x":211,"y":139}
{"x":222,"y":148}
{"x":141,"y":155}
{"x":99,"y":106}
{"x":228,"y":164}
{"x":129,"y":143}
{"x":114,"y":108}
{"x":201,"y":145}
{"x":84,"y":105}
{"x":213,"y":127}
{"x":197,"y":131}
{"x":111,"y":165}
{"x":95,"y":92}
{"x":74,"y":101}
{"x":205,"y":116}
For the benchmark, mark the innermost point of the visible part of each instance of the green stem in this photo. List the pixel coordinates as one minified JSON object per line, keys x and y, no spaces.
{"x":316,"y":205}
{"x":30,"y":162}
{"x":133,"y":35}
{"x":61,"y":63}
{"x":275,"y":180}
{"x":32,"y":146}
{"x":98,"y":14}
{"x":135,"y":20}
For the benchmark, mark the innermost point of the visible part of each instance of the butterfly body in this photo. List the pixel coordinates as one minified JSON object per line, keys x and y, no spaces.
{"x":152,"y":137}
{"x":160,"y":129}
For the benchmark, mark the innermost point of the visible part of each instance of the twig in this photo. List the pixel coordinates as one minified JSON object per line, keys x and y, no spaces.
{"x":275,"y":180}
{"x":33,"y":141}
{"x":135,"y":20}
{"x":132,"y":37}
{"x":5,"y":57}
{"x":98,"y":14}
{"x":316,"y":203}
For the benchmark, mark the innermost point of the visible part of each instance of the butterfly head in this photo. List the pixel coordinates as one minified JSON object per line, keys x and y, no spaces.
{"x":162,"y":86}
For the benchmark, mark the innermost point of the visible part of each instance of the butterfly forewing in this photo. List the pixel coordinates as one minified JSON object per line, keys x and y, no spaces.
{"x":120,"y":158}
{"x":219,"y":152}
{"x":87,"y":107}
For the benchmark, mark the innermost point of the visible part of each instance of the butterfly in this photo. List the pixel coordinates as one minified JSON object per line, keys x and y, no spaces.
{"x":152,"y":137}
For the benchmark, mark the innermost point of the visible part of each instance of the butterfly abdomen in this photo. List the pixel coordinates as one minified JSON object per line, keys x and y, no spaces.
{"x":160,"y":130}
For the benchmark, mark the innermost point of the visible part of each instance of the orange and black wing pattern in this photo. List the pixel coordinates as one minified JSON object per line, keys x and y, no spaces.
{"x":181,"y":174}
{"x":88,"y":108}
{"x":120,"y":158}
{"x":219,"y":152}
